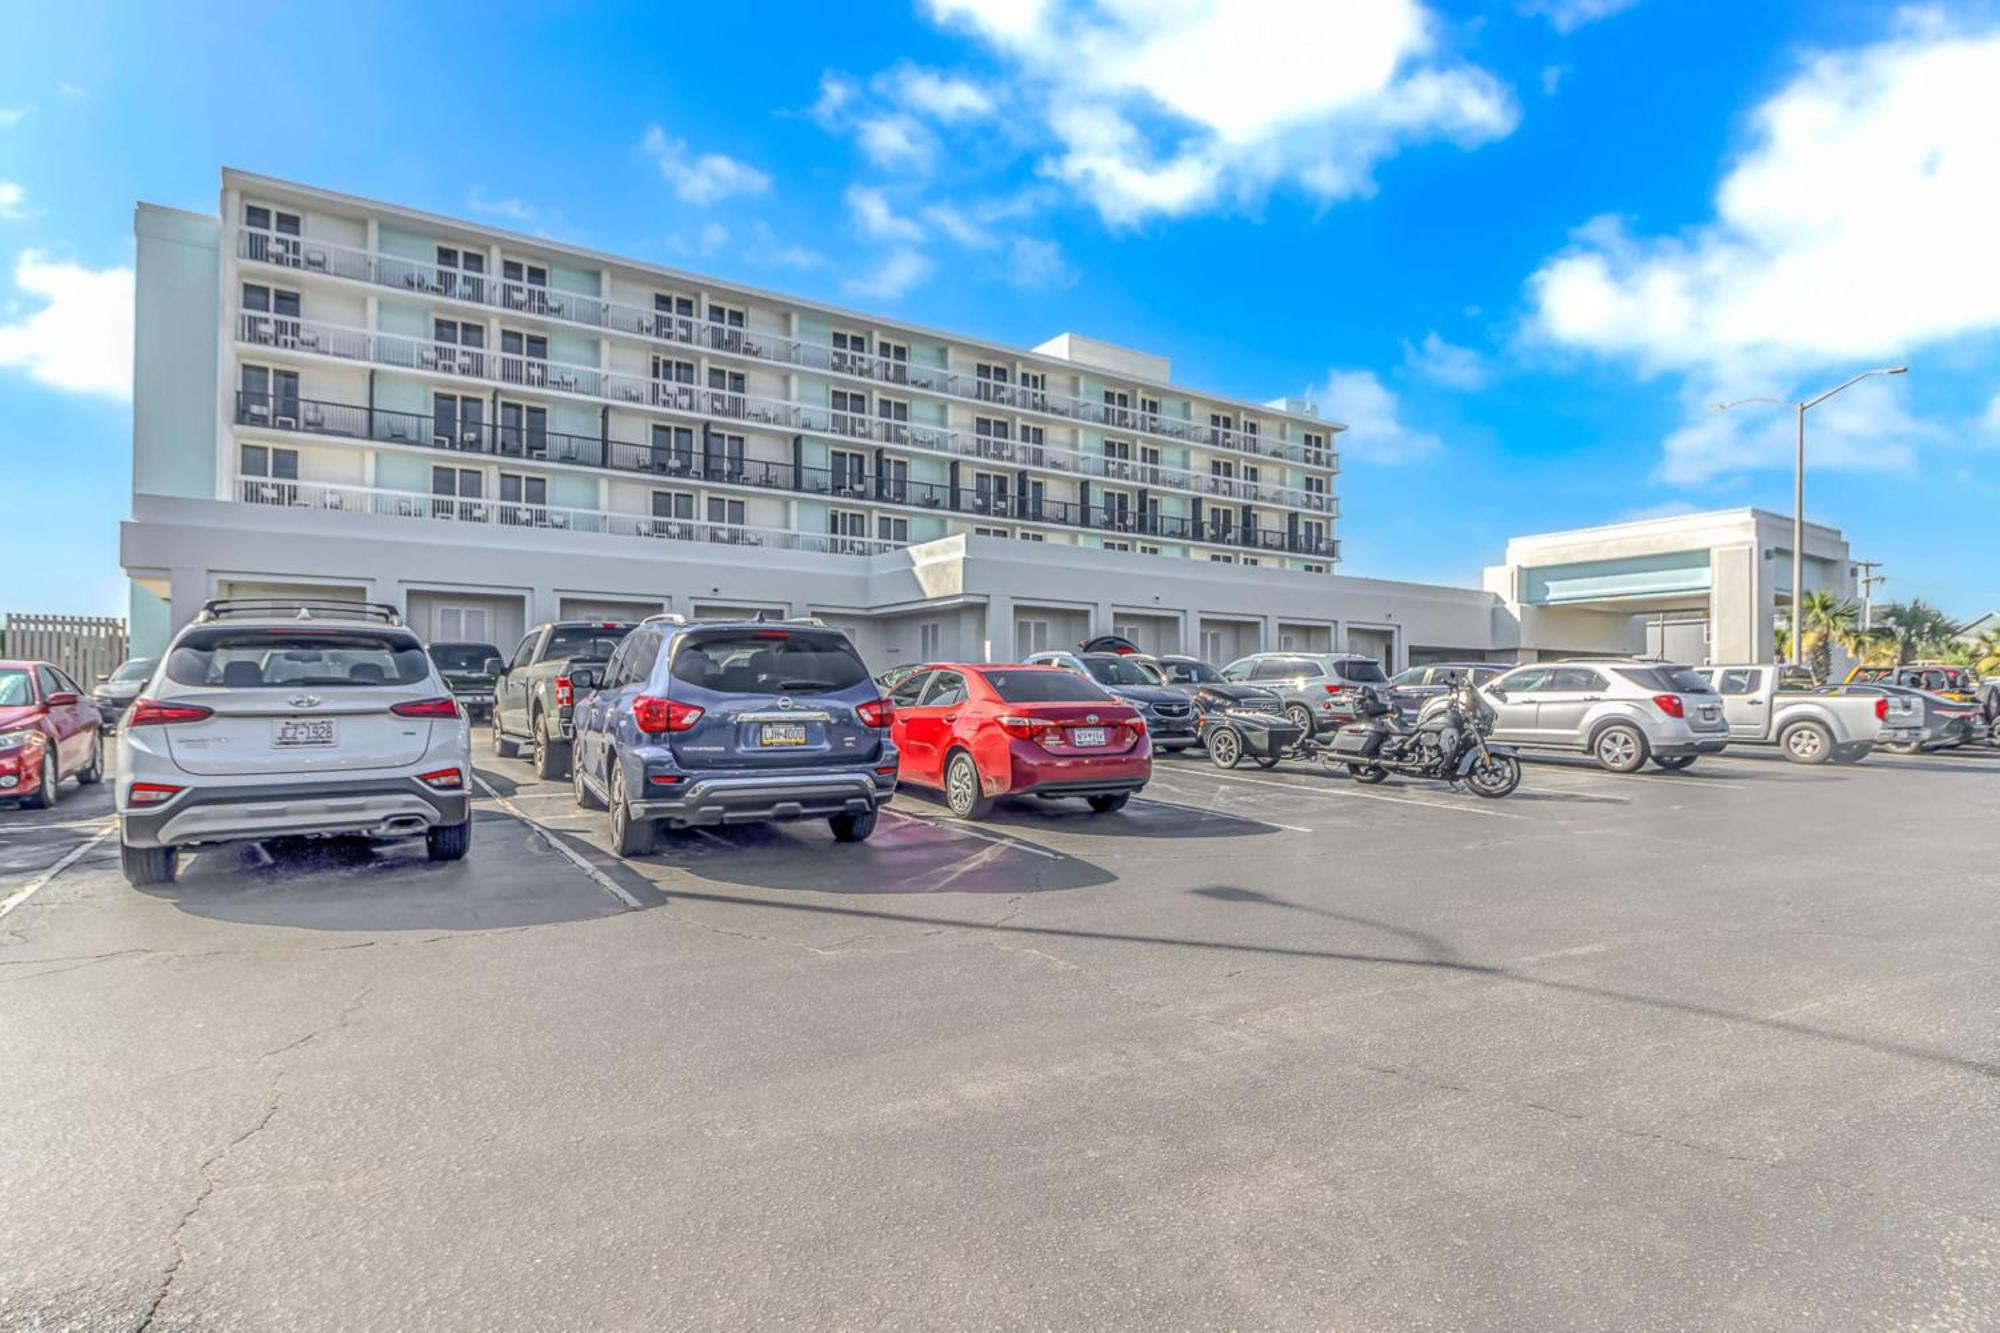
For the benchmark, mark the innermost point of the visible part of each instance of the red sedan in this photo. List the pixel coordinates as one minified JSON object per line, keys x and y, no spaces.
{"x":980,"y":732}
{"x":49,"y":730}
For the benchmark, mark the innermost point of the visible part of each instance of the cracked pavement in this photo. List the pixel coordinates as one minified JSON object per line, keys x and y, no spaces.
{"x":1263,"y":1051}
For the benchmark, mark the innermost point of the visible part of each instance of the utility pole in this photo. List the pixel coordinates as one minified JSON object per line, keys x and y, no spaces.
{"x":1869,"y":578}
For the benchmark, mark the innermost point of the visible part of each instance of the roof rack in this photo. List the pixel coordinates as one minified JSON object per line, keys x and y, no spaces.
{"x":298,"y":608}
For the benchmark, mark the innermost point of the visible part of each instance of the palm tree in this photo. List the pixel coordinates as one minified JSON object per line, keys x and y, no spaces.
{"x":1920,"y":630}
{"x":1781,"y":643}
{"x":1986,"y":653}
{"x":1828,"y":620}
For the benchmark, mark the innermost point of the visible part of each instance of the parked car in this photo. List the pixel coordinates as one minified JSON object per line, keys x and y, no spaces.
{"x":1168,"y":712}
{"x":1410,"y":690}
{"x":896,"y":675}
{"x":1808,"y":726}
{"x":1618,"y":711}
{"x":1320,"y":690}
{"x":1956,"y":683}
{"x":978,"y":733}
{"x":114,"y":693}
{"x":1202,"y":683}
{"x":533,"y":693}
{"x":730,"y":722}
{"x":283,"y":718}
{"x":48,"y":731}
{"x":463,"y":666}
{"x":1943,"y":723}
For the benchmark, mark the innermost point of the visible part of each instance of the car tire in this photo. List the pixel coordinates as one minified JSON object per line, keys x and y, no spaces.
{"x":1620,"y":748}
{"x":1302,"y":718}
{"x":1266,"y":761}
{"x":1105,"y":805}
{"x":1368,"y":774}
{"x":1225,"y":747}
{"x":1674,"y":763}
{"x":502,"y":747}
{"x":964,"y":794}
{"x":1806,"y":743}
{"x":448,"y":842}
{"x":852,"y":828}
{"x":586,"y":799}
{"x":629,"y":837}
{"x":551,"y":755}
{"x":50,"y":791}
{"x":147,"y":865}
{"x":93,"y":772}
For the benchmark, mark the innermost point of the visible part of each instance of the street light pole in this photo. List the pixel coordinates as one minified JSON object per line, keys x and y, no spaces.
{"x":1799,"y":494}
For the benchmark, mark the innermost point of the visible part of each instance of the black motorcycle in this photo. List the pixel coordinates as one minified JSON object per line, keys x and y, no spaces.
{"x":1447,"y":743}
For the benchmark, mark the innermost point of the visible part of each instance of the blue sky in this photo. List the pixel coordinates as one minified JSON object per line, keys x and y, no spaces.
{"x":1518,"y":247}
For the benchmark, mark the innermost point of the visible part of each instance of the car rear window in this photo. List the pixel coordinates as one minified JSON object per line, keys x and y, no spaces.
{"x":1667,"y":679}
{"x":462,"y":656}
{"x":1118,"y":671}
{"x":769,"y":662}
{"x":1045,"y":687}
{"x":139,"y":668}
{"x":587,"y":643}
{"x":1363,"y":673}
{"x":14,"y":688}
{"x":322,"y":659}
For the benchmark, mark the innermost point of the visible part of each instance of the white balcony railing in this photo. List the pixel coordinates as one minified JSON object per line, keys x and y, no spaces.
{"x":755,"y":344}
{"x":752,"y":411}
{"x":507,"y":514}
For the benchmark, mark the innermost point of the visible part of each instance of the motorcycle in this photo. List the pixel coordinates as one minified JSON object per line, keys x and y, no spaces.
{"x":1447,"y":743}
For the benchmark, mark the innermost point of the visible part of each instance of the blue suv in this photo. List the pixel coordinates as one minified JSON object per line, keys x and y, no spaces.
{"x":732,"y":722}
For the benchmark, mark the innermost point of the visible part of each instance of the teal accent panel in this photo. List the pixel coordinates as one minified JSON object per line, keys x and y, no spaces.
{"x":934,"y":471}
{"x":573,"y":419}
{"x":926,"y":529}
{"x":928,"y":354}
{"x":813,"y":329}
{"x":812,"y":516}
{"x":582,"y":281}
{"x":149,"y":623}
{"x":402,"y":472}
{"x":573,"y":492}
{"x":572,"y":348}
{"x":1633,"y":576}
{"x":409,"y":318}
{"x":1174,"y":505}
{"x":177,"y":309}
{"x":929,"y":413}
{"x":814,"y":452}
{"x":406,"y":244}
{"x":401,"y":395}
{"x":812,"y":390}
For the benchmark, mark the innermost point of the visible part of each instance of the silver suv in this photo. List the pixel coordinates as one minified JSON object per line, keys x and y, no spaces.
{"x":1620,"y":712}
{"x":1319,"y":689}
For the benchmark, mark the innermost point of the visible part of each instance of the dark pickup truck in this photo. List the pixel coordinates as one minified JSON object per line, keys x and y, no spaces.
{"x":464,"y":668}
{"x":532,"y":694}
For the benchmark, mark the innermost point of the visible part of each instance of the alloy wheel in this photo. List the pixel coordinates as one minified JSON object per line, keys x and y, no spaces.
{"x":1618,"y":749}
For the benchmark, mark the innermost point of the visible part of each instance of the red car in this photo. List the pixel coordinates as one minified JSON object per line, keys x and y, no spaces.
{"x":980,"y":732}
{"x":49,"y":730}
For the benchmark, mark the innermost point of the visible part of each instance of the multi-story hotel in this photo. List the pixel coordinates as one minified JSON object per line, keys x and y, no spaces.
{"x":488,"y":429}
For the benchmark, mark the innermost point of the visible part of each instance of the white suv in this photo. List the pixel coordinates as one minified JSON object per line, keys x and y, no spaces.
{"x":1619,"y":711}
{"x":272,"y":718}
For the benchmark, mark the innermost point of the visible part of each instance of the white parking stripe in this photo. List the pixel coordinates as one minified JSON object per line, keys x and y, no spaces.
{"x":1220,"y":814}
{"x":953,"y":826}
{"x":598,"y":877}
{"x":1605,"y":775}
{"x":34,"y":885}
{"x":1346,"y":794}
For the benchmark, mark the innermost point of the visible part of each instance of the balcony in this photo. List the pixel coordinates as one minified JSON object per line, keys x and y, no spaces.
{"x":288,"y":334}
{"x":423,"y":279}
{"x":708,"y":461}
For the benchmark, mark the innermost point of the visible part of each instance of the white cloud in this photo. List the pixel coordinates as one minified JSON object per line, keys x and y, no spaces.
{"x":1865,"y":429}
{"x":876,"y":219}
{"x":1445,"y":363}
{"x":512,"y":208}
{"x":13,"y":202}
{"x":1993,"y":414}
{"x":1569,"y":15}
{"x":80,"y":338}
{"x":896,"y":141}
{"x":902,"y":270}
{"x":703,"y":179}
{"x":1168,"y":110}
{"x":942,"y":97}
{"x":12,"y":116}
{"x":953,"y":223}
{"x":768,"y":250}
{"x":1375,"y":431}
{"x":1038,"y":265}
{"x":836,"y":93}
{"x":1552,"y":77}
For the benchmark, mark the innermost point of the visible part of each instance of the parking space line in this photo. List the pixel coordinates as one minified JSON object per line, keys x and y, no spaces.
{"x":952,"y":826}
{"x":35,"y":885}
{"x":598,"y":877}
{"x":1220,"y":814}
{"x":1331,"y":794}
{"x":1578,"y":770}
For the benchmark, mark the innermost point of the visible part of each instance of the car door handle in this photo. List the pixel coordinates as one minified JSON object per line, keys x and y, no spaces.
{"x":1593,"y":698}
{"x":1754,"y":703}
{"x":949,"y":717}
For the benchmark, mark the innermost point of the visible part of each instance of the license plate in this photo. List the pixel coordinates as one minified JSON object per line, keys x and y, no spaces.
{"x":782,"y":733}
{"x":1087,"y":736}
{"x":294,"y":732}
{"x":1708,"y":712}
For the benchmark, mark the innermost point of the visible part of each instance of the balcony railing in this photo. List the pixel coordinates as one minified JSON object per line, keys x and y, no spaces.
{"x":284,"y":333}
{"x":760,"y":345}
{"x":706,"y":460}
{"x":504,"y":513}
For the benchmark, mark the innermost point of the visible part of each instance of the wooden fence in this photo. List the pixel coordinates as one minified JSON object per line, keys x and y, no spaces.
{"x":85,"y":646}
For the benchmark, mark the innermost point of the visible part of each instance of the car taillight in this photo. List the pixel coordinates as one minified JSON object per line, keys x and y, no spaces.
{"x":876,"y":713}
{"x":1335,"y":689}
{"x":151,"y":793}
{"x":654,"y":714}
{"x":153,"y":713}
{"x":446,"y":706}
{"x":444,"y":779}
{"x":1670,"y":704}
{"x":565,"y":693}
{"x":1882,"y":708}
{"x":1038,"y":729}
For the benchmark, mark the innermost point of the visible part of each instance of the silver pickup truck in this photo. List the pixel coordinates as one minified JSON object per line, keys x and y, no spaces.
{"x":1808,"y":728}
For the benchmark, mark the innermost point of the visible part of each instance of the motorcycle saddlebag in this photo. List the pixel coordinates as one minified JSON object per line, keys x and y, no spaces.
{"x":1357,"y":743}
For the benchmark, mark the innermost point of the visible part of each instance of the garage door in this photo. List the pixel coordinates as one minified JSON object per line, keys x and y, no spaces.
{"x":1379,"y":644}
{"x":597,"y":608}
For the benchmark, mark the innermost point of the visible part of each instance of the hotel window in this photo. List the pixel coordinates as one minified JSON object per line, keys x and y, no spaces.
{"x":524,"y":286}
{"x":1312,"y":534}
{"x":1034,"y":389}
{"x":725,"y":327}
{"x":725,"y":392}
{"x":991,"y":532}
{"x":1149,"y":464}
{"x":892,"y":480}
{"x":725,"y":511}
{"x":521,"y":271}
{"x":1222,"y":469}
{"x":990,"y":437}
{"x":723,"y":459}
{"x":1149,"y":514}
{"x":1221,"y":524}
{"x":673,"y":317}
{"x":849,"y":472}
{"x":1251,"y":476}
{"x":850,"y":412}
{"x":461,"y":273}
{"x":991,"y":383}
{"x":1251,"y":560}
{"x":992,"y":493}
{"x":1118,"y":459}
{"x":1031,"y":444}
{"x":850,"y":352}
{"x":1315,"y":487}
{"x":1148,"y":550}
{"x":524,"y":430}
{"x":520,"y":489}
{"x":673,"y":448}
{"x":895,"y":358}
{"x":892,"y":529}
{"x":1118,"y":407}
{"x":1315,"y":448}
{"x":458,"y":421}
{"x":272,"y":315}
{"x":673,"y":383}
{"x":452,"y":487}
{"x":1149,"y":412}
{"x":1249,"y":434}
{"x":1118,"y":511}
{"x":1216,"y":558}
{"x":268,"y":397}
{"x":1030,"y":535}
{"x":258,"y":460}
{"x":281,"y":247}
{"x":670,"y":510}
{"x":524,"y":357}
{"x":895,"y":414}
{"x":1311,"y":568}
{"x":458,"y":346}
{"x":930,"y":640}
{"x":1117,"y":546}
{"x":1031,"y":497}
{"x":849,"y":528}
{"x":1222,"y":429}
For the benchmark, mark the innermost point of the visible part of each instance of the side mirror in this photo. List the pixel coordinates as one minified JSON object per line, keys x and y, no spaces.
{"x":1497,"y":693}
{"x":586,"y":677}
{"x":101,"y":679}
{"x":63,"y":699}
{"x":493,"y":666}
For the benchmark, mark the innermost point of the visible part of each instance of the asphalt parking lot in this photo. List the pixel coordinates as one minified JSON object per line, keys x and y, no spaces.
{"x":1267,"y":1050}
